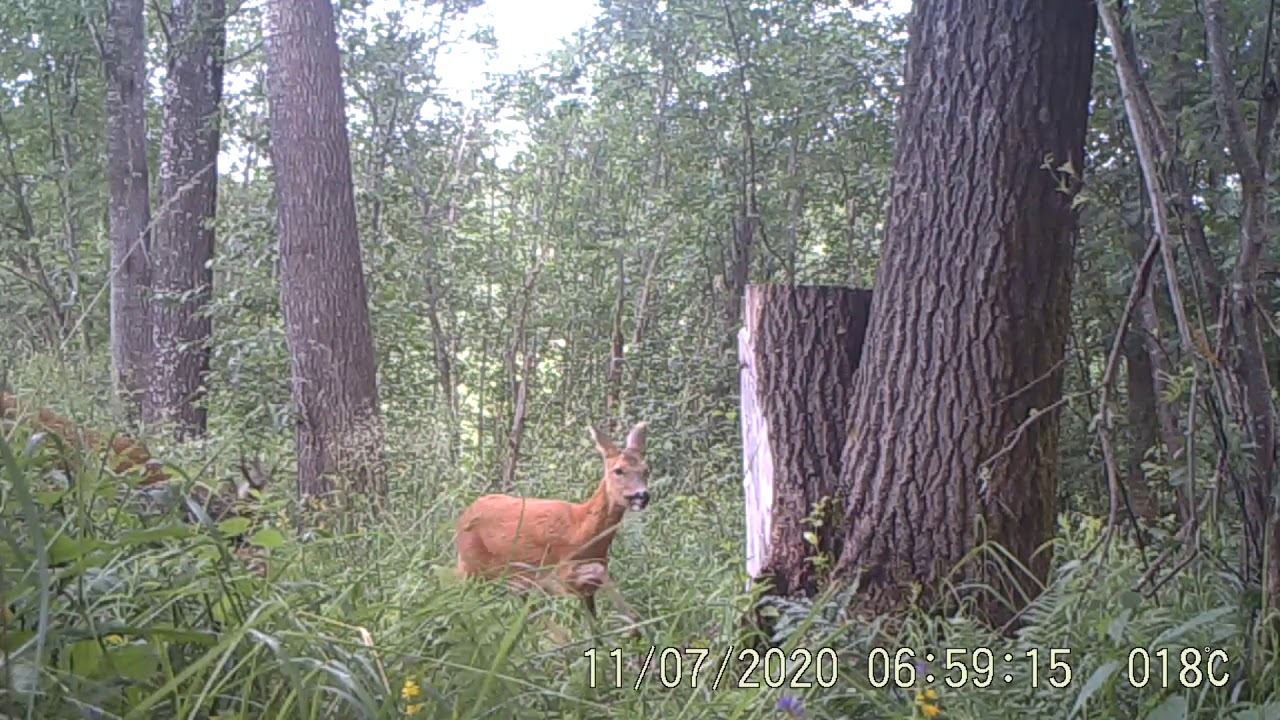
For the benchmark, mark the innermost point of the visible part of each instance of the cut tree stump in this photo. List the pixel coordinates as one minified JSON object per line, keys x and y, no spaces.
{"x":797,"y":355}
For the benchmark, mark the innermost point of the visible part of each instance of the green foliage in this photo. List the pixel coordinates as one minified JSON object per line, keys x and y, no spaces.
{"x":636,"y":156}
{"x":112,"y":611}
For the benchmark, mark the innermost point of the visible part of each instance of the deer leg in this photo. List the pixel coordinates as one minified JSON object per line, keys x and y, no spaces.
{"x":611,"y":590}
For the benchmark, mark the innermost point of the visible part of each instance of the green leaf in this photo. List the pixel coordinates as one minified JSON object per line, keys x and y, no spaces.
{"x":12,"y":639}
{"x":1270,"y":711}
{"x":234,"y":526}
{"x":1174,"y":707}
{"x":135,"y":662}
{"x":142,"y":705}
{"x":86,"y":657}
{"x":48,"y":498}
{"x":1095,"y":683}
{"x":64,"y":549}
{"x":1169,"y":636}
{"x":163,"y":532}
{"x":1129,"y":599}
{"x":267,"y":538}
{"x":1116,"y":628}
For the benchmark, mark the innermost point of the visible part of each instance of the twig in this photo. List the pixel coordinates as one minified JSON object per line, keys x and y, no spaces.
{"x":1103,"y":419}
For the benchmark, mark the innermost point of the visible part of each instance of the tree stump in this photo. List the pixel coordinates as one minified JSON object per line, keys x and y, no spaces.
{"x":797,"y":355}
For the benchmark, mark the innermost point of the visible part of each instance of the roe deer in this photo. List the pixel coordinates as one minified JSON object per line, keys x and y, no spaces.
{"x":155,"y":491}
{"x":125,"y":453}
{"x":559,"y":546}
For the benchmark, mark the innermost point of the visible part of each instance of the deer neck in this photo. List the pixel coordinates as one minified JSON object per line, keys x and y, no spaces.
{"x":599,"y":521}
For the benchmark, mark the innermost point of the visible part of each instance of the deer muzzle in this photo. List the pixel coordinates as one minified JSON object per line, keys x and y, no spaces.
{"x":638,"y":500}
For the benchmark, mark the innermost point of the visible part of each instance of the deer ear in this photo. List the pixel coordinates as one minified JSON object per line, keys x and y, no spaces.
{"x":636,"y":438}
{"x":603,"y":442}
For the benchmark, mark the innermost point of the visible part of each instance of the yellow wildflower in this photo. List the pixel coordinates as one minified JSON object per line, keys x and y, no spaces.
{"x":413,"y":709}
{"x":410,"y":690}
{"x":113,"y":640}
{"x":930,"y":710}
{"x":926,"y":695}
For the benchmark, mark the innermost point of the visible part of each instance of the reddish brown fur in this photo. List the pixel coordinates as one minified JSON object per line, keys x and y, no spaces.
{"x":126,"y":453}
{"x":559,"y":546}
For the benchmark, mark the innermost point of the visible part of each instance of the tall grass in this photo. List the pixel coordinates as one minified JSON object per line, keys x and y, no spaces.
{"x":113,"y":612}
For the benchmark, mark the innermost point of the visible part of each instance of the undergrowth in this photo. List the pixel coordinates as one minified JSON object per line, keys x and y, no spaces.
{"x":111,"y":612}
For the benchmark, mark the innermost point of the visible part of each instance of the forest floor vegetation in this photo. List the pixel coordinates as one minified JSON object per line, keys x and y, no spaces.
{"x":110,"y":613}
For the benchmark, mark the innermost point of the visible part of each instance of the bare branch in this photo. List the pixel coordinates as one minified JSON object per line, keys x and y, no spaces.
{"x":1224,"y":95}
{"x":1166,"y":176}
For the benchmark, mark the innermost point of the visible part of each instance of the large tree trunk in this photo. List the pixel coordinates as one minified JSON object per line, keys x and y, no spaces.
{"x":322,"y":280}
{"x":797,"y":355}
{"x":182,"y":275}
{"x":954,"y":436}
{"x":129,"y":204}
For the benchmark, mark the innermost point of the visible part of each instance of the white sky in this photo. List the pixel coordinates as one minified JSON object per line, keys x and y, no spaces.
{"x":525,"y":29}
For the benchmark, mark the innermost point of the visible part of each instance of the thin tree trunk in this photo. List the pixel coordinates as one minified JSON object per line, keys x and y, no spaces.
{"x":129,"y":202}
{"x":27,"y":266}
{"x":182,"y":271}
{"x":738,"y":270}
{"x":1150,"y":137}
{"x":613,"y":377}
{"x":645,"y":298}
{"x":433,"y":273}
{"x":520,"y":342}
{"x":1142,"y":426}
{"x":1255,"y":409}
{"x":323,"y":290}
{"x":1245,"y":378}
{"x":795,"y":204}
{"x":60,"y":132}
{"x":519,"y":414}
{"x":1147,"y":328}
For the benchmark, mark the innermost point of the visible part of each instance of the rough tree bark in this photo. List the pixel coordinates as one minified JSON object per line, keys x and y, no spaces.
{"x":181,"y":273}
{"x":322,"y":279}
{"x":954,"y":435}
{"x":797,"y":356}
{"x":129,"y":202}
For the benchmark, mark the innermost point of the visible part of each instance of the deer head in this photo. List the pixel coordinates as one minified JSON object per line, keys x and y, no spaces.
{"x":255,"y":476}
{"x":626,"y":475}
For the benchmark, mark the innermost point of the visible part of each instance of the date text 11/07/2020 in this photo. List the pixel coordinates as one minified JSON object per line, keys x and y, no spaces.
{"x":800,"y":668}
